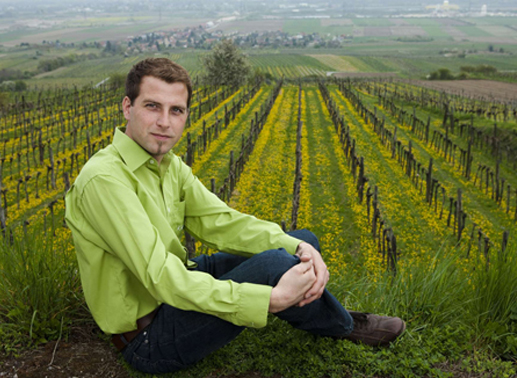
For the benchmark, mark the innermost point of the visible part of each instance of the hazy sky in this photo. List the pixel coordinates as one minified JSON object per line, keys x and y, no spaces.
{"x":93,"y":3}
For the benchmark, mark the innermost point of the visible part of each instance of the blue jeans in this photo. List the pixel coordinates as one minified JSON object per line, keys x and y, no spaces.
{"x":177,"y":338}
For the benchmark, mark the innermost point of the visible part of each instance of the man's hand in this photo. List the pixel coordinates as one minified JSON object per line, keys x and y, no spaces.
{"x":307,"y":252}
{"x":292,"y":287}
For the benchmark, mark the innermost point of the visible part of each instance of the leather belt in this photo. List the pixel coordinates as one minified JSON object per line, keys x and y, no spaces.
{"x":120,"y":340}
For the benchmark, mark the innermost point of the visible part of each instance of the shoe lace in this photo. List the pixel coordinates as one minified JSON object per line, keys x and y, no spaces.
{"x":360,"y":320}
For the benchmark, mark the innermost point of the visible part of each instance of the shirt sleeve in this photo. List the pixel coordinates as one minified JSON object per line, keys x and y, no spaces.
{"x":112,"y":211}
{"x":212,"y":221}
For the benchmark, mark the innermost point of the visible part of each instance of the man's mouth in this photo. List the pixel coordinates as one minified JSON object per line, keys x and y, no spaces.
{"x":160,"y":136}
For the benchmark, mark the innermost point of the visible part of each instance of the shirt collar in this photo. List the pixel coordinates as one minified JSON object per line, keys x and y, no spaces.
{"x":133,"y":155}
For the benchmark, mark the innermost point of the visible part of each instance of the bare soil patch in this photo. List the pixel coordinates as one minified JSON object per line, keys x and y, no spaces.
{"x":251,"y":26}
{"x":489,"y":90}
{"x":358,"y":31}
{"x":84,"y":355}
{"x":453,"y":32}
{"x":452,"y":22}
{"x":407,"y":31}
{"x":377,"y":31}
{"x":399,"y":21}
{"x":87,"y":354}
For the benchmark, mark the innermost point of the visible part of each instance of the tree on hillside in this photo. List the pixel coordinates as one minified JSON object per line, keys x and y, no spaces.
{"x":226,"y":65}
{"x":441,"y":74}
{"x":117,"y":80}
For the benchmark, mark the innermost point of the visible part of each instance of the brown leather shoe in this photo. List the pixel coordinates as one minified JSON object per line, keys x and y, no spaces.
{"x":375,"y":330}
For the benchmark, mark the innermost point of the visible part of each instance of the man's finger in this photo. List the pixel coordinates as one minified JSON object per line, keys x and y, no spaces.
{"x":305,"y":257}
{"x":306,"y":265}
{"x":315,"y":291}
{"x":319,"y":286}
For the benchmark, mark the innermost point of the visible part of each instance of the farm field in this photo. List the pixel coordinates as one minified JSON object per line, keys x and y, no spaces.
{"x":292,"y":65}
{"x":490,"y":90}
{"x":78,"y":30}
{"x":473,"y":30}
{"x":407,"y":47}
{"x":397,"y":236}
{"x":400,"y":60}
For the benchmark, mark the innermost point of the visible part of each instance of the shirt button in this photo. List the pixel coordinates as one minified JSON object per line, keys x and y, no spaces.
{"x":151,"y":161}
{"x":169,"y":209}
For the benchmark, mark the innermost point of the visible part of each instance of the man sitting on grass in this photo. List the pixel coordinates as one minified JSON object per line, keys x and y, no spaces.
{"x":127,"y":209}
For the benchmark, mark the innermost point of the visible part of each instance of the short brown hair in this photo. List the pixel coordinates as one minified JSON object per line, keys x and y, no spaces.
{"x":160,"y":68}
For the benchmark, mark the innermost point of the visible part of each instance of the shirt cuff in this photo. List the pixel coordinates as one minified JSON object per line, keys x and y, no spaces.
{"x":289,"y":243}
{"x":253,"y":305}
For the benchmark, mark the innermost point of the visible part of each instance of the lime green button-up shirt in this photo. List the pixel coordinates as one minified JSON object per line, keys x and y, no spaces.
{"x":126,"y":214}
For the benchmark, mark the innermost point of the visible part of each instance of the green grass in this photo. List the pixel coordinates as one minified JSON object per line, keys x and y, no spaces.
{"x":96,"y":70}
{"x":461,"y":313}
{"x":473,"y":31}
{"x":290,"y":65}
{"x":301,"y":26}
{"x":376,"y":64}
{"x":217,"y":166}
{"x":386,"y":54}
{"x":331,"y":198}
{"x":435,"y":31}
{"x":40,"y":293}
{"x":475,"y":202}
{"x":448,"y":328}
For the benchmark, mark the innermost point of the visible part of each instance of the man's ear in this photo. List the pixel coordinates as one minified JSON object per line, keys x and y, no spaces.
{"x":126,"y":105}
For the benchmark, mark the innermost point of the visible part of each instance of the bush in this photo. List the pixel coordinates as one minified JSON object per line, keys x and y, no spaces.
{"x":445,"y":74}
{"x":482,"y":69}
{"x":4,"y":100}
{"x":7,"y":85}
{"x":226,"y":65}
{"x":117,"y":80}
{"x":441,"y":74}
{"x":486,"y":69}
{"x":258,"y":74}
{"x":20,"y":85}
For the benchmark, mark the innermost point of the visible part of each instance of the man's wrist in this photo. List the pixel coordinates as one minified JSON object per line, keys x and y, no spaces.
{"x":273,"y":308}
{"x":300,"y":247}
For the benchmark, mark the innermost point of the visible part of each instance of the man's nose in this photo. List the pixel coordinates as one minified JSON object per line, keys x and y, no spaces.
{"x":163,"y":119}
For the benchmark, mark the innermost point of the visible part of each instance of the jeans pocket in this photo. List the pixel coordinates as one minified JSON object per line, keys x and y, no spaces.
{"x":146,"y":355}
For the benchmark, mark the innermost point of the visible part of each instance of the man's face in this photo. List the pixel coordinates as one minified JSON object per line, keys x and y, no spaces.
{"x":157,"y":117}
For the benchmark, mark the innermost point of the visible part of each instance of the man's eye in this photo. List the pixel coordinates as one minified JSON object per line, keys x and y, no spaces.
{"x":150,"y":106}
{"x":178,"y":110}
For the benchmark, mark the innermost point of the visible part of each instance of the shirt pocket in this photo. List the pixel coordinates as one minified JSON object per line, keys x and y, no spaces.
{"x":177,"y":216}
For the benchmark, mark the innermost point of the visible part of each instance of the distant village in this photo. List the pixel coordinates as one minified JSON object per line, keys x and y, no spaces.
{"x":202,"y":38}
